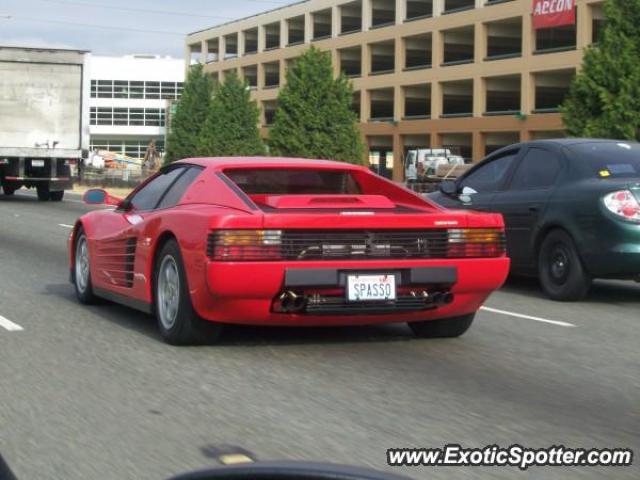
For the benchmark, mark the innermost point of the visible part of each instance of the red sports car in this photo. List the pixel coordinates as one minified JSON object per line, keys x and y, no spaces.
{"x":278,"y":241}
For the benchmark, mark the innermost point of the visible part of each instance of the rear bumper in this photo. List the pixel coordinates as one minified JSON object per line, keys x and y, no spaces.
{"x":245,"y":292}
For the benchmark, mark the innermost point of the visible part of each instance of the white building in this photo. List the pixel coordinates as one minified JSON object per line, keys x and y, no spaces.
{"x":129,"y":98}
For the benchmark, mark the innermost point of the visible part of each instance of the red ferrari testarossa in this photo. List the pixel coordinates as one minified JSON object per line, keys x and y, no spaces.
{"x":279,"y":241}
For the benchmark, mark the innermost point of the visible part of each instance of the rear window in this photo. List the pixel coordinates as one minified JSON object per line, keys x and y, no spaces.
{"x":304,"y":181}
{"x":608,"y":160}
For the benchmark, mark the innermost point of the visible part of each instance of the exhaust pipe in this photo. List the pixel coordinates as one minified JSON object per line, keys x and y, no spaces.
{"x":292,"y":302}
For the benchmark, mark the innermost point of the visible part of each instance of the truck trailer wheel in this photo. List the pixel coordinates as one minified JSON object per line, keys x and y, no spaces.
{"x":43,"y":192}
{"x":56,"y":196}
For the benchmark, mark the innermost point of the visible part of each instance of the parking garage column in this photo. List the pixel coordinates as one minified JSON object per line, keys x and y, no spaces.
{"x":203,"y":52}
{"x":262,"y":38}
{"x":335,"y":21}
{"x":437,"y":49}
{"x":398,"y":151}
{"x":241,"y":43}
{"x":366,"y":15}
{"x":284,"y":33}
{"x":480,"y":42}
{"x":436,"y":100}
{"x":308,"y":27}
{"x":401,"y":11}
{"x":438,"y":8}
{"x":223,"y":48}
{"x":477,"y":146}
{"x":584,"y":34}
{"x":479,"y":96}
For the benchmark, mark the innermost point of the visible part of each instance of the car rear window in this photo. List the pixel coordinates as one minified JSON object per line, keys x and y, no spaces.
{"x":608,"y":159}
{"x":292,"y":181}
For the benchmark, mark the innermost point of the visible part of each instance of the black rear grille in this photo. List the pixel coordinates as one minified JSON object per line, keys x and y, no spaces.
{"x":339,"y":306}
{"x":314,"y":245}
{"x":361,"y":245}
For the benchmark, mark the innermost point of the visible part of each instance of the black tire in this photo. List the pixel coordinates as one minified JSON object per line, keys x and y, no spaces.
{"x":81,"y":283}
{"x":184,"y":327}
{"x":56,"y":196}
{"x":442,"y":328}
{"x":560,"y":270}
{"x":8,"y":191}
{"x":43,"y":193}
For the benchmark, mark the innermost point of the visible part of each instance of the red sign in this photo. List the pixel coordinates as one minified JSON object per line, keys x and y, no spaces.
{"x":553,"y":13}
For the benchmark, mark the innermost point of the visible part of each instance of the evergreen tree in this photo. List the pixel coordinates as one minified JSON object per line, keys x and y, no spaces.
{"x":231,"y":127}
{"x":604,"y":99}
{"x":314,"y":118}
{"x":190,"y":115}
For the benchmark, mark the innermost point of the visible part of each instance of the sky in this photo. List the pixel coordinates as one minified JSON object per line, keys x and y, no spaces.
{"x":118,"y":27}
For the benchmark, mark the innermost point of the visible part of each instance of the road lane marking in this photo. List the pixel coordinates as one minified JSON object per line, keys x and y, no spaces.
{"x":64,"y":225}
{"x":528,"y":317}
{"x":9,"y":325}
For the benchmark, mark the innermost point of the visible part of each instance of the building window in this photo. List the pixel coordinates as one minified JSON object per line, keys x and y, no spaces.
{"x":417,"y":101}
{"x":419,"y":9}
{"x":269,"y":109}
{"x":504,"y":38}
{"x":136,"y":89}
{"x":321,"y":24}
{"x":351,"y":61}
{"x":231,"y":45}
{"x":383,"y":12}
{"x":383,"y":57}
{"x":250,"y":41}
{"x":271,"y":74}
{"x":551,"y":87}
{"x":417,"y":51}
{"x":295,"y":30}
{"x":149,"y":117}
{"x":272,"y":35}
{"x":381,"y":103}
{"x":250,"y":74}
{"x":458,"y":45}
{"x":457,"y":98}
{"x":131,"y":148}
{"x":503,"y":95}
{"x":451,"y":6}
{"x":351,"y":17}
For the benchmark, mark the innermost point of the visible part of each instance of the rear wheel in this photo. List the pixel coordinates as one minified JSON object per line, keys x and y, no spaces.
{"x":178,"y":322}
{"x":56,"y":196}
{"x":560,"y":270}
{"x":442,"y":328}
{"x":82,"y":270}
{"x":43,"y":192}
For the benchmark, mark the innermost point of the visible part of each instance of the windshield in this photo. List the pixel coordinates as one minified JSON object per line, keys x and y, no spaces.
{"x":300,"y":181}
{"x":608,"y":159}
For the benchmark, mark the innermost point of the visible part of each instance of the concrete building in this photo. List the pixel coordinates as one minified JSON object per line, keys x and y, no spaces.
{"x":129,"y":99}
{"x":471,"y":74}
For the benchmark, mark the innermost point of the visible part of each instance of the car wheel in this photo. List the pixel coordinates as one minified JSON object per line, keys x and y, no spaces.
{"x":8,"y":190}
{"x":43,"y":193}
{"x":56,"y":196}
{"x":442,"y":328}
{"x":560,"y":270}
{"x":82,"y":270}
{"x":178,"y":322}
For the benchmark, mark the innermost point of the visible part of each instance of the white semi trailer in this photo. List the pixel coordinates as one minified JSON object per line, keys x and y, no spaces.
{"x":44,"y":124}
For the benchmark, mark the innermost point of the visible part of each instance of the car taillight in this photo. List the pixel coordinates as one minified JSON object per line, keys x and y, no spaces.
{"x":238,"y":245}
{"x":476,"y":242}
{"x":624,"y":204}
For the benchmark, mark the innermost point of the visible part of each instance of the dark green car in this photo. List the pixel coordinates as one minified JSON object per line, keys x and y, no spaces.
{"x":571,"y":209}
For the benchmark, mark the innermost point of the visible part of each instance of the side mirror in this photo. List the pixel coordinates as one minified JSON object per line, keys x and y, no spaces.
{"x":98,"y":196}
{"x":448,"y":187}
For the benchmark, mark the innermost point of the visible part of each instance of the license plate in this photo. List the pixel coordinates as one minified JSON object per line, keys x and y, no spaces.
{"x":37,"y":163}
{"x":361,"y":288}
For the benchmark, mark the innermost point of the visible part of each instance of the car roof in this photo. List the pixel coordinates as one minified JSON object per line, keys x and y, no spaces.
{"x":564,"y":142}
{"x":221,"y":163}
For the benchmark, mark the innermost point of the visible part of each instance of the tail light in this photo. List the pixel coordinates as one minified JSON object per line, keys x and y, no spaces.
{"x":237,"y":245}
{"x":624,"y":204}
{"x":476,"y":242}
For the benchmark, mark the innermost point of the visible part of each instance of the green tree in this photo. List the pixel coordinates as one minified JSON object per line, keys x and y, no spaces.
{"x":314,"y":118}
{"x":231,"y":127}
{"x":604,"y":99}
{"x":190,"y":115}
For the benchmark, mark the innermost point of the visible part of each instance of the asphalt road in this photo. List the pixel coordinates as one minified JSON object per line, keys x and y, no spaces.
{"x":93,"y":392}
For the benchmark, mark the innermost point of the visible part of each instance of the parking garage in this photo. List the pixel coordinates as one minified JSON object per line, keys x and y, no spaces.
{"x":351,"y":61}
{"x":457,"y":98}
{"x":551,"y":88}
{"x":504,"y":38}
{"x":417,"y":101}
{"x":383,"y":57}
{"x":351,"y":17}
{"x":382,"y":103}
{"x":458,"y":45}
{"x":418,"y":52}
{"x":502,"y":95}
{"x":417,"y":9}
{"x":250,"y":75}
{"x":321,"y":22}
{"x":383,"y":12}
